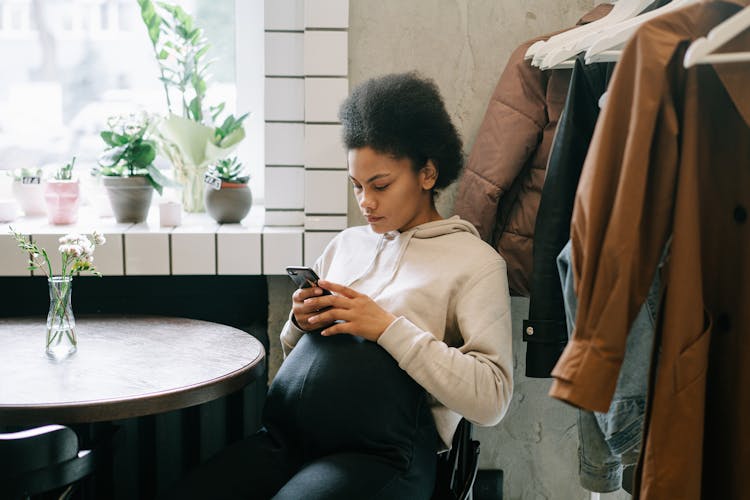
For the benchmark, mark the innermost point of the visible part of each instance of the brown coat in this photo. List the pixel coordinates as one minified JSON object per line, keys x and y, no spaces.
{"x":669,"y":164}
{"x":500,"y":189}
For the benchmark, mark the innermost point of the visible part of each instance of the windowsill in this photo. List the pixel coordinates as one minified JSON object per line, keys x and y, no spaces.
{"x":198,"y":246}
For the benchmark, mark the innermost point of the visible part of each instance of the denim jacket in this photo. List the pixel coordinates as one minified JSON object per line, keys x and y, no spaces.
{"x":610,"y":441}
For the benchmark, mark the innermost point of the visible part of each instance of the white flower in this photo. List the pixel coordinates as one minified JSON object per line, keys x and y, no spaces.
{"x":70,"y":239}
{"x":71,"y":250}
{"x":99,"y":238}
{"x":86,"y":247}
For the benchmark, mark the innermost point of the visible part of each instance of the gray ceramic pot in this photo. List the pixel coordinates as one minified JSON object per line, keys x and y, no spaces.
{"x":130,"y":197}
{"x":230,"y":204}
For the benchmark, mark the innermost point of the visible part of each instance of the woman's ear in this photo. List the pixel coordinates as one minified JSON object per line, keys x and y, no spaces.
{"x":428,"y":175}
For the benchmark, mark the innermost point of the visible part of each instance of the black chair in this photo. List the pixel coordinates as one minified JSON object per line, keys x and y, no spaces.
{"x":457,"y":468}
{"x":42,"y":459}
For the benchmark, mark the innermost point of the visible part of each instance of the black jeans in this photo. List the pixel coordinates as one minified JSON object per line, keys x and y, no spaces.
{"x":342,"y":421}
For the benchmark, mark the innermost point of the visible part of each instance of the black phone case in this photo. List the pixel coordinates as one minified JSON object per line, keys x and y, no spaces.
{"x":304,"y":277}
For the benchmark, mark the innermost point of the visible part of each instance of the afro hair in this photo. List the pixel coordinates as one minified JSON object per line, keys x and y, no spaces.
{"x":403,"y":115}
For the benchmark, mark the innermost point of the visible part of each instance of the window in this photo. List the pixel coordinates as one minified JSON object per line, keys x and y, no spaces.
{"x":70,"y":64}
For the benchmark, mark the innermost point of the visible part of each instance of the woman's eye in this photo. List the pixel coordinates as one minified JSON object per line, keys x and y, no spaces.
{"x":381,"y":188}
{"x":356,"y":187}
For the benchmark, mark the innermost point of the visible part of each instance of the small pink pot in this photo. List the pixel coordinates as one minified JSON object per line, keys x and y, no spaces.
{"x":62,"y":201}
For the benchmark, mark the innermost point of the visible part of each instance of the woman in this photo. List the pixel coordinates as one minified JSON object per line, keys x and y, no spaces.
{"x":416,"y":334}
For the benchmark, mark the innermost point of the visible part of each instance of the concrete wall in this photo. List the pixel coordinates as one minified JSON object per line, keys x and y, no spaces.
{"x":463,"y":45}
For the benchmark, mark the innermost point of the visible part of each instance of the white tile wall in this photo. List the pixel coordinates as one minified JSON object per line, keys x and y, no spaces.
{"x":284,"y":14}
{"x":326,"y":13}
{"x":285,"y":217}
{"x":285,"y":99}
{"x":194,"y":246}
{"x":323,"y":147}
{"x":146,"y":253}
{"x":315,"y":243}
{"x":239,"y":250}
{"x":193,"y":253}
{"x":326,"y":53}
{"x":14,"y":261}
{"x":284,"y":54}
{"x":323,"y":96}
{"x":325,"y":191}
{"x":325,"y":222}
{"x":281,"y":247}
{"x":108,"y":258}
{"x":285,"y":144}
{"x":285,"y":187}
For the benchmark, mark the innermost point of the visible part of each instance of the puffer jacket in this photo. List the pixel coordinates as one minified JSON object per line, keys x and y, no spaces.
{"x":500,"y":189}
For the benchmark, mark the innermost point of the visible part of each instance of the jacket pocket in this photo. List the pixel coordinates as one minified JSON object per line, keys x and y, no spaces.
{"x":692,"y":362}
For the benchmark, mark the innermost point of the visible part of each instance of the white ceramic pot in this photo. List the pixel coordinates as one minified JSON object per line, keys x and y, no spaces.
{"x":30,"y":197}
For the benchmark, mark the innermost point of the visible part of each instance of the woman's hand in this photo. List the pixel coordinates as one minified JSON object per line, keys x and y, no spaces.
{"x":302,"y":310}
{"x":357,"y":313}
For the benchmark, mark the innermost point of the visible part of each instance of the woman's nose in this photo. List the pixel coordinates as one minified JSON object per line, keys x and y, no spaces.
{"x":366,"y":202}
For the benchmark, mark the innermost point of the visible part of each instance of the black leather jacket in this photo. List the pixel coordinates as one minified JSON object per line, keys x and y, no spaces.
{"x":545,"y":331}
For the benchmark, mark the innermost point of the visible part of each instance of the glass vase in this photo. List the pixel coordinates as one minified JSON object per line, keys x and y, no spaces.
{"x":193,"y":187}
{"x":61,"y":332}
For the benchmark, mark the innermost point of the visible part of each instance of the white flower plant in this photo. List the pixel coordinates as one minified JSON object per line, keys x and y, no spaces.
{"x":77,"y":255}
{"x":76,"y":252}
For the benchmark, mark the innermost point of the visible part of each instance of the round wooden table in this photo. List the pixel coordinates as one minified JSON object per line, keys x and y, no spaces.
{"x":125,"y":367}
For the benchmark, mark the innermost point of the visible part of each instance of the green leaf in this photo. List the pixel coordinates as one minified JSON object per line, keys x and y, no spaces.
{"x":199,"y":84}
{"x":158,"y":180}
{"x":195,"y":109}
{"x":108,"y":137}
{"x":112,"y":156}
{"x":216,"y":110}
{"x":202,"y":52}
{"x":142,"y":154}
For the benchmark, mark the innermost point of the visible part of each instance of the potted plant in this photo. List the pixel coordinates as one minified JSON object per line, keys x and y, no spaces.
{"x":28,"y":191}
{"x":127,"y":166}
{"x":228,"y":198}
{"x":62,"y":195}
{"x":192,"y":136}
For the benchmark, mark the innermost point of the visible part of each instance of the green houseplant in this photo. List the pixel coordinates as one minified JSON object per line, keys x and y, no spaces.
{"x":228,"y":200}
{"x":193,"y":136}
{"x":127,"y":166}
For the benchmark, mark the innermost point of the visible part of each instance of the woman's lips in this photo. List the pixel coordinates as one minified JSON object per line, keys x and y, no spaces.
{"x":372,"y":219}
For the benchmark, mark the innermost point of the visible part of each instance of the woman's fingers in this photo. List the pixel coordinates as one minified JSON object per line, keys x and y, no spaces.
{"x":336,"y":288}
{"x":319,"y":303}
{"x":301,"y":294}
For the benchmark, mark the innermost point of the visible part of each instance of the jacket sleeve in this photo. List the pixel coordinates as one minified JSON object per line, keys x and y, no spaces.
{"x":476,"y":379}
{"x":621,"y":221}
{"x":508,"y":136}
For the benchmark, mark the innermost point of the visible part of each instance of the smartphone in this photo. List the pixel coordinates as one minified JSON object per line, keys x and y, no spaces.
{"x":304,"y":277}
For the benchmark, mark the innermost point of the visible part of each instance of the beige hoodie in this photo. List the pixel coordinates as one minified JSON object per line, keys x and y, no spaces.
{"x":449,"y":291}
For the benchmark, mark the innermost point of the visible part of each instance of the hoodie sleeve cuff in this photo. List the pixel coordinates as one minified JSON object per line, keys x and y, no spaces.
{"x":290,"y":335}
{"x":399,"y":337}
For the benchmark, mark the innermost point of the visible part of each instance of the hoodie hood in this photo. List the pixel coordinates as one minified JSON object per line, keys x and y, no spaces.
{"x":442,"y":227}
{"x":391,"y":248}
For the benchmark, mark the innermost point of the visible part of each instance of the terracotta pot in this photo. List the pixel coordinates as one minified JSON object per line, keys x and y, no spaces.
{"x":230,"y":204}
{"x":130,"y":197}
{"x":62,"y":198}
